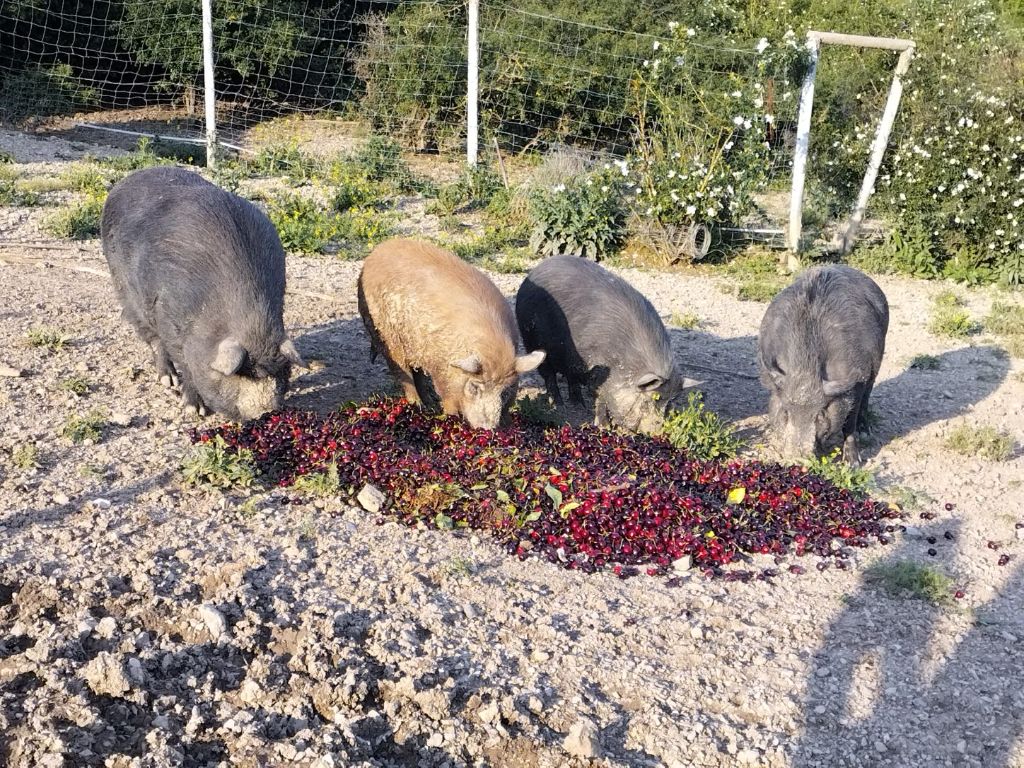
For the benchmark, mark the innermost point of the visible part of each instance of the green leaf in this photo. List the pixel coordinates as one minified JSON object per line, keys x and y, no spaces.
{"x":443,"y":522}
{"x":503,"y":497}
{"x":532,"y":516}
{"x":736,"y":495}
{"x":568,"y":507}
{"x":554,"y":494}
{"x":478,"y":487}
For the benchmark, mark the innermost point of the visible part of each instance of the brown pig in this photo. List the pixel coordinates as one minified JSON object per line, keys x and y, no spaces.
{"x":431,"y":314}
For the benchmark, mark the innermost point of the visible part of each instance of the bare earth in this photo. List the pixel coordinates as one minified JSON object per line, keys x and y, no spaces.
{"x":143,"y":623}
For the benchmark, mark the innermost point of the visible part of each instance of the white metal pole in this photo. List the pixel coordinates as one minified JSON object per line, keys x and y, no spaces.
{"x":210,"y":93}
{"x":881,"y":141}
{"x":803,"y":138}
{"x":472,"y":80}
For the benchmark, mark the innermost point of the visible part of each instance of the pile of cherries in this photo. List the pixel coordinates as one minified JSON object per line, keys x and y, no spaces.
{"x":586,"y":498}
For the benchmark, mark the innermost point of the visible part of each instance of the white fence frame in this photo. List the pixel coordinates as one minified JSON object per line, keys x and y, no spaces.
{"x":881,"y":140}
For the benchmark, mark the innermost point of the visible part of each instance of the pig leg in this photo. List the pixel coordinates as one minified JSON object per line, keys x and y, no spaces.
{"x":851,"y":450}
{"x":165,"y":372}
{"x":575,"y":387}
{"x":602,"y":416}
{"x":551,"y":382}
{"x":190,"y":399}
{"x":862,"y":415}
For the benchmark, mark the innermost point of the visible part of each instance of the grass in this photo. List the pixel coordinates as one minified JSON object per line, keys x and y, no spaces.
{"x":907,"y":498}
{"x":701,"y":433}
{"x":987,"y":442}
{"x":460,"y":567}
{"x":80,"y":428}
{"x":537,"y":409}
{"x":79,"y":221}
{"x":76,"y":385}
{"x":319,"y":484}
{"x":44,"y":337}
{"x":685,"y":320}
{"x":905,"y":578}
{"x":15,"y":193}
{"x":950,"y":319}
{"x":306,"y":227}
{"x":40,"y":185}
{"x":761,"y":290}
{"x":1007,"y":320}
{"x":857,"y":480}
{"x":87,"y":177}
{"x":25,"y":456}
{"x":212,"y":463}
{"x":925,"y":363}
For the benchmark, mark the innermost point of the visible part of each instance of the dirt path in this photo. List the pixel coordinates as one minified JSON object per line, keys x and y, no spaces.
{"x":145,"y":624}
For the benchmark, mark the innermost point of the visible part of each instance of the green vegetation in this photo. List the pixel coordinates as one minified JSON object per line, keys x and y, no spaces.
{"x":79,"y":221}
{"x":86,"y":427}
{"x":44,"y":337}
{"x":212,"y":463}
{"x":319,"y":484}
{"x":25,"y":456}
{"x":1007,"y":320}
{"x":949,"y":318}
{"x":536,"y":409}
{"x":857,"y":480}
{"x":685,"y":320}
{"x":905,"y":578}
{"x":984,"y":442}
{"x":701,"y":433}
{"x":76,"y":385}
{"x":925,"y":363}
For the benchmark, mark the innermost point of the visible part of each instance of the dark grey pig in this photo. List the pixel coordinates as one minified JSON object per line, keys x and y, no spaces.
{"x":200,"y":275}
{"x":821,"y":345}
{"x":600,"y":331}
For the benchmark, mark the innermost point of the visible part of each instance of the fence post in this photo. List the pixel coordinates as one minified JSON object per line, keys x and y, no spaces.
{"x":892,"y":104}
{"x":472,"y":82}
{"x":803,"y":138}
{"x":208,"y":85}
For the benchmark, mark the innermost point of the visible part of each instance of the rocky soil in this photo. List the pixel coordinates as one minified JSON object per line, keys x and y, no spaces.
{"x":143,"y":623}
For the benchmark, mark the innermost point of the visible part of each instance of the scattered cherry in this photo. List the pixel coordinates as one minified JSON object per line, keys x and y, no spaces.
{"x":932,"y":551}
{"x":993,"y":545}
{"x":931,"y":539}
{"x":948,"y":535}
{"x":1004,"y":559}
{"x":950,"y":506}
{"x":959,"y":594}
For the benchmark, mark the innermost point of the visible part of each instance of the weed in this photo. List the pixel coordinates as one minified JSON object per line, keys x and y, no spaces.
{"x":685,"y":320}
{"x":758,"y":290}
{"x":93,"y":471}
{"x":380,"y":158}
{"x":986,"y":442}
{"x":276,"y":159}
{"x":907,"y":578}
{"x":25,"y":456}
{"x":459,"y":567}
{"x":79,"y":429}
{"x":510,"y":264}
{"x":307,"y":529}
{"x":1014,"y":345}
{"x":537,"y":409}
{"x":47,"y":338}
{"x":76,"y":385}
{"x":249,"y":507}
{"x":87,"y":177}
{"x":925,"y":363}
{"x":80,"y":221}
{"x":303,"y":226}
{"x":214,"y":463}
{"x":13,"y":193}
{"x":908,"y":499}
{"x":947,"y":299}
{"x":701,"y":433}
{"x":949,"y":318}
{"x":476,"y":189}
{"x":319,"y":484}
{"x":1006,"y":319}
{"x":40,"y":185}
{"x":857,"y":480}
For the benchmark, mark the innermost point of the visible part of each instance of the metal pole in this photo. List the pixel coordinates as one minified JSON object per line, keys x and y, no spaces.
{"x":881,"y":141}
{"x":210,"y":93}
{"x":472,"y":83}
{"x":803,"y":137}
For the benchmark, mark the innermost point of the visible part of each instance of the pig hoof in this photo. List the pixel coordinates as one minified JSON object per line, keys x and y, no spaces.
{"x":165,"y":381}
{"x":202,"y":410}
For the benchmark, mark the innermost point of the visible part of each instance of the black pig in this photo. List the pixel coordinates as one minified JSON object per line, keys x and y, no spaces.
{"x":200,"y":275}
{"x":601,"y":332}
{"x":821,"y":345}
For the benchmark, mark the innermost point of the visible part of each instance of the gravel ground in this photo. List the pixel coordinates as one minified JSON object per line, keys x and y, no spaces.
{"x":143,"y":623}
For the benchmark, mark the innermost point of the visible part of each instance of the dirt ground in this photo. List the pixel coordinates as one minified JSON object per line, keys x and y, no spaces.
{"x":143,"y":623}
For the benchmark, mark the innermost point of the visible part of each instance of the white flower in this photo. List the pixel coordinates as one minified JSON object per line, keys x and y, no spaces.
{"x":623,"y":166}
{"x":558,"y":188}
{"x":762,"y":45}
{"x":736,"y":94}
{"x":674,"y":195}
{"x":671,"y":174}
{"x":758,"y":102}
{"x":691,"y":32}
{"x":712,"y":213}
{"x":657,"y":44}
{"x":673,"y":26}
{"x":728,"y":145}
{"x":738,"y":120}
{"x":647,"y":63}
{"x":746,"y":124}
{"x":691,"y":209}
{"x":769,"y":119}
{"x":679,"y":61}
{"x":604,"y":188}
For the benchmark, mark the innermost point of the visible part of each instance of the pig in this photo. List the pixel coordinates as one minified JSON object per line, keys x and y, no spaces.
{"x":433,"y":315}
{"x":200,"y":275}
{"x":601,"y":332}
{"x":820,"y":347}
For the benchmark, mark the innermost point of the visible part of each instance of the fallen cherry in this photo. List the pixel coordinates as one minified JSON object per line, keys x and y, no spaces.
{"x":959,"y":594}
{"x":1004,"y":559}
{"x":993,"y":545}
{"x":933,"y":552}
{"x":950,"y":506}
{"x":931,"y":539}
{"x":948,"y":535}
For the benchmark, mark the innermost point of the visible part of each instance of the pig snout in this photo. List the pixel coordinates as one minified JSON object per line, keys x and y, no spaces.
{"x":483,"y":408}
{"x":257,"y":397}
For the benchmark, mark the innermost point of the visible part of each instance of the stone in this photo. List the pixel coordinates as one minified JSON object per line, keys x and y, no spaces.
{"x":683,"y":564}
{"x":748,"y":757}
{"x":582,"y":740}
{"x":214,"y":620}
{"x":371,"y":498}
{"x":489,"y":712}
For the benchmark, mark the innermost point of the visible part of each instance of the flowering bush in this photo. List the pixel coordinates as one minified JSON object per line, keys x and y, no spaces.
{"x":706,"y":119}
{"x":583,"y":217}
{"x":582,"y":497}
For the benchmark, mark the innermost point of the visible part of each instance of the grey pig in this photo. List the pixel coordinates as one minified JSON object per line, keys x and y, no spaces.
{"x":601,"y":332}
{"x":200,"y":276}
{"x":820,"y":348}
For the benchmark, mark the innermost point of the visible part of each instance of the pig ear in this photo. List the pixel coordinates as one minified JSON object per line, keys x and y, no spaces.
{"x":835,"y":388}
{"x":649,"y":381}
{"x":526,"y":363}
{"x":470,"y":365}
{"x":230,"y":356}
{"x":291,"y":354}
{"x":691,"y":383}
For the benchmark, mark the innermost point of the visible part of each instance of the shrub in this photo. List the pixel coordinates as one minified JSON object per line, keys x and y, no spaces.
{"x":25,"y":456}
{"x":47,"y":338}
{"x":925,"y":363}
{"x":701,"y":433}
{"x":76,"y":385}
{"x":475,"y":189}
{"x":79,"y":429}
{"x":907,"y":578}
{"x":986,"y":442}
{"x":380,"y":158}
{"x":320,"y":484}
{"x":212,"y":462}
{"x":302,"y":224}
{"x":857,"y":480}
{"x":949,"y":318}
{"x":583,"y":218}
{"x":79,"y":221}
{"x":42,"y":91}
{"x":685,"y":320}
{"x":537,"y":409}
{"x":14,"y":194}
{"x":1005,"y":319}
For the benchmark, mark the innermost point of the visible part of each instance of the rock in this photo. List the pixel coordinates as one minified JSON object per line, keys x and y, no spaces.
{"x":470,"y":611}
{"x":535,"y":705}
{"x":748,"y":757}
{"x":1020,"y":534}
{"x":106,"y":676}
{"x":436,"y":740}
{"x":371,"y":498}
{"x":582,"y":740}
{"x":489,"y":712}
{"x":107,"y":627}
{"x":60,"y":499}
{"x":683,"y":564}
{"x":100,"y":503}
{"x":540,"y":656}
{"x":214,"y":620}
{"x":120,"y":419}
